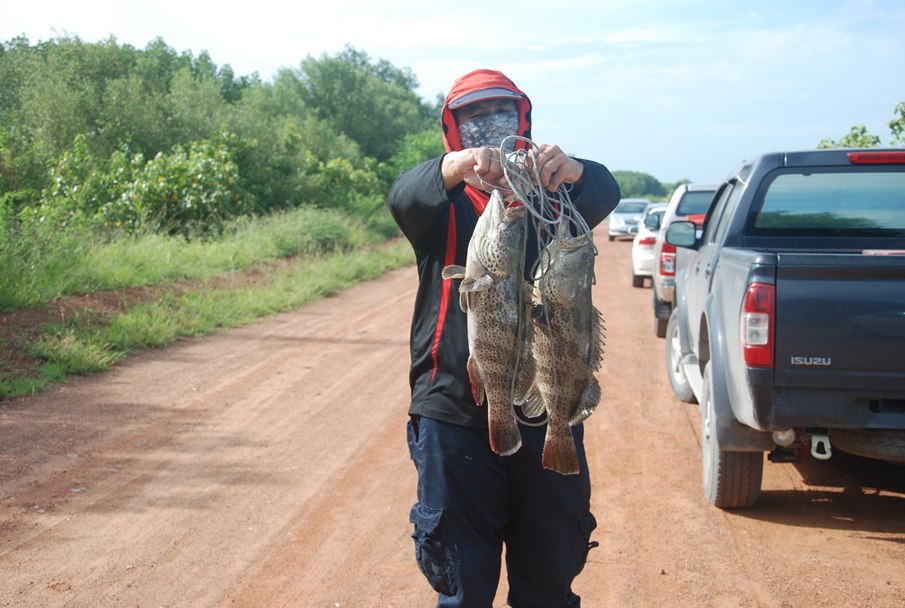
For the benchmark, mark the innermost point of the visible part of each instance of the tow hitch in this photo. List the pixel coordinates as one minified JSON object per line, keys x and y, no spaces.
{"x":820,"y":446}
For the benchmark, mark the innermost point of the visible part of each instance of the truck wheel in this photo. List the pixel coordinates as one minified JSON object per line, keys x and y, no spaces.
{"x":677,"y":380}
{"x":882,"y":444}
{"x":731,"y":480}
{"x":637,"y":280}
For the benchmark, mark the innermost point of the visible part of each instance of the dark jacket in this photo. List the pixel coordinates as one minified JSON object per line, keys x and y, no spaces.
{"x":439,"y":225}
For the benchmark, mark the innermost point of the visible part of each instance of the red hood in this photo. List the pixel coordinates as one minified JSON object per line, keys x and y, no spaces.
{"x":478,"y":80}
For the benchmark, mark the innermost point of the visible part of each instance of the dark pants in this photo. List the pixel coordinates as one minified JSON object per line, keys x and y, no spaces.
{"x":471,"y":502}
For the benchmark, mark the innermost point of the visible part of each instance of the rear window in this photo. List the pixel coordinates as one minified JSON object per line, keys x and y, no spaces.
{"x":827,"y":203}
{"x":630,"y":207}
{"x":694,"y":203}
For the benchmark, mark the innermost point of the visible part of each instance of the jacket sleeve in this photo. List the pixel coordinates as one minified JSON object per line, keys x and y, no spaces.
{"x":597,"y":195}
{"x":416,"y":197}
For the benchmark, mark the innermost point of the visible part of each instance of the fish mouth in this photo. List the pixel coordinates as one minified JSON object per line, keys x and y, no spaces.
{"x":577,"y":242}
{"x":505,"y":213}
{"x":514,"y":211}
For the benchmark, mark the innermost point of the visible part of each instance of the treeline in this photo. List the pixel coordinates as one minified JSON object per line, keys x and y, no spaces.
{"x":119,"y":139}
{"x":634,"y":184}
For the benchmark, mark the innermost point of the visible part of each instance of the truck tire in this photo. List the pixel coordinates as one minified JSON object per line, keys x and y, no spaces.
{"x":677,"y":380}
{"x":731,"y":480}
{"x":637,"y":280}
{"x":882,"y":444}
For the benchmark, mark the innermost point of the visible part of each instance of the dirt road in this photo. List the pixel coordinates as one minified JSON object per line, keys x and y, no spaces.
{"x":267,"y":467}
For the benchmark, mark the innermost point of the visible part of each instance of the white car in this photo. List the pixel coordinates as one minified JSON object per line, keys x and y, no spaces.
{"x":644,"y":242}
{"x":626,"y":217}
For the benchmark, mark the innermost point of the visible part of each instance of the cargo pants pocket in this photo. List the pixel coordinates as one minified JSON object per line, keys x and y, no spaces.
{"x":587,"y":524}
{"x":434,"y":559}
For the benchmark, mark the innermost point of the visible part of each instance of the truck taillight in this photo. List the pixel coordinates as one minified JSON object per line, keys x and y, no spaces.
{"x":668,"y":260}
{"x":758,"y":318}
{"x":876,"y":158}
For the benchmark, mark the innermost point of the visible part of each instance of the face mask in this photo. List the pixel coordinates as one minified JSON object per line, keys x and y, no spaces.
{"x":490,"y":130}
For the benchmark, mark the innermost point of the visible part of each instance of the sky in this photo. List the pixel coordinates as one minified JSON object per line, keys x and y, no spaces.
{"x":684,"y":89}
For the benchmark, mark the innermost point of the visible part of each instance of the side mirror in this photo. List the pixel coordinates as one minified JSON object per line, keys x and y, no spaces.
{"x":682,"y":234}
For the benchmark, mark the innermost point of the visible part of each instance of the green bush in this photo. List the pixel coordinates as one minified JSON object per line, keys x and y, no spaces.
{"x":187,"y":193}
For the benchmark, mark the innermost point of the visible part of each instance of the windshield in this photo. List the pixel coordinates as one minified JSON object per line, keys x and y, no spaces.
{"x":833,"y":203}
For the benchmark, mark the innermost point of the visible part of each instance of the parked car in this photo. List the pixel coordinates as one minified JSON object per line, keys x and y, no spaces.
{"x":624,"y":219}
{"x":689,"y":201}
{"x":643,"y":244}
{"x":789,"y":318}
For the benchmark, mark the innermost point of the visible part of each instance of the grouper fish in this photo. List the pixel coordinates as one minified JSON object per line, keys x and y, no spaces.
{"x":493,"y":295}
{"x":567,"y":344}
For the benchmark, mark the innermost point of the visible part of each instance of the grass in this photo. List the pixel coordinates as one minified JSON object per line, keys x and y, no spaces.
{"x":321,"y":254}
{"x":46,"y":264}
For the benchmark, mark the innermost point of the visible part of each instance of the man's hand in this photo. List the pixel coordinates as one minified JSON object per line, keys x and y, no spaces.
{"x":554,"y":167}
{"x":478,"y":167}
{"x":481,"y":168}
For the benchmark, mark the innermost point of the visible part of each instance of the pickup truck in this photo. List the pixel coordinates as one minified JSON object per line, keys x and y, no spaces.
{"x":789,"y":318}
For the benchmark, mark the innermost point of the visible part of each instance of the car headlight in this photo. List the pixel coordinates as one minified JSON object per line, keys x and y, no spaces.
{"x":617,"y":222}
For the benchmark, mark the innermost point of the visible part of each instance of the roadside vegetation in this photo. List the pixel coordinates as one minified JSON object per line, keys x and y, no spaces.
{"x":183,"y":197}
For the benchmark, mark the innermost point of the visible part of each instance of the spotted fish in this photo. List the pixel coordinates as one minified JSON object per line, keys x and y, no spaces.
{"x":567,"y":344}
{"x":493,"y":295}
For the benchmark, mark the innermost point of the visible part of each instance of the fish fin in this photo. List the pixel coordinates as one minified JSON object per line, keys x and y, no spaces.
{"x":533,"y":403}
{"x":453,"y":272}
{"x":524,"y":375}
{"x":505,"y":437}
{"x":587,"y":403}
{"x":481,"y":282}
{"x":477,"y":384}
{"x":539,"y":315}
{"x":560,"y":454}
{"x":570,"y":291}
{"x":597,"y":342}
{"x":524,"y":380}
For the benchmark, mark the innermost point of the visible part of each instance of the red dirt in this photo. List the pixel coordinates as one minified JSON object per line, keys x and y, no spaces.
{"x":267,"y":467}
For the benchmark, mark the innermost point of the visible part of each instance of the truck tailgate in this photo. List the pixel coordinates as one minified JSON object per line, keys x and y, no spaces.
{"x":840,"y":321}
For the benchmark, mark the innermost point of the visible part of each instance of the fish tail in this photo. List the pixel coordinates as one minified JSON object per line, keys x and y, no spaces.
{"x":560,"y":454}
{"x":505,"y":438}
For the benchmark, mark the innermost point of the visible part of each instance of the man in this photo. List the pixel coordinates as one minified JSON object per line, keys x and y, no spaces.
{"x":470,"y":500}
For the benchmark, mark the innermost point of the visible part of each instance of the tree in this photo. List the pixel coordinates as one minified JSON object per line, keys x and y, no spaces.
{"x":639,"y":185}
{"x":324,"y":134}
{"x":373,"y":104}
{"x":195,"y":108}
{"x":858,"y":137}
{"x":897,"y":126}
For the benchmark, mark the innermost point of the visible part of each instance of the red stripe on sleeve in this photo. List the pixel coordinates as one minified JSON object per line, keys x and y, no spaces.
{"x":447,"y":285}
